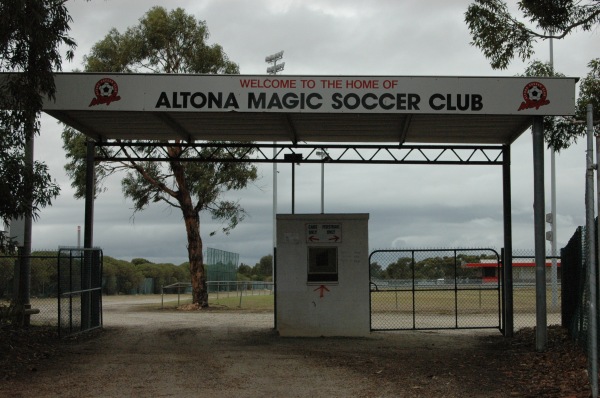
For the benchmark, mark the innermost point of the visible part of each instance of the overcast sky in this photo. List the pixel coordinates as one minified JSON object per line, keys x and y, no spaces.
{"x":409,"y":206}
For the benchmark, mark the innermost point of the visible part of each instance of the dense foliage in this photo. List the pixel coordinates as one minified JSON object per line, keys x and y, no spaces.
{"x":118,"y":276}
{"x":561,"y":132}
{"x":123,"y":277}
{"x":429,"y":268}
{"x":502,"y":36}
{"x":31,"y":34}
{"x":261,"y":271}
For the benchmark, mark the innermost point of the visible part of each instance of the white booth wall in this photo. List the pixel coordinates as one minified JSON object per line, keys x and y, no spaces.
{"x":312,"y":303}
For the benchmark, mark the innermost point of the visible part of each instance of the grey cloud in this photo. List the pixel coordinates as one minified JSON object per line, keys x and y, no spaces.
{"x":423,"y":206}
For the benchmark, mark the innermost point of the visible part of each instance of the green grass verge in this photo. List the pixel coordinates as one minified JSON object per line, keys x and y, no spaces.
{"x":258,"y":303}
{"x":444,"y":301}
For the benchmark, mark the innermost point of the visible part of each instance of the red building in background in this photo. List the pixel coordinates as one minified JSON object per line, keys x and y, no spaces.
{"x":523,"y":269}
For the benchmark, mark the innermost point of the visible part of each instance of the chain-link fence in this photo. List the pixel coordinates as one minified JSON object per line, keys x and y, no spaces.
{"x":435,"y":289}
{"x":221,"y":266}
{"x":524,"y":285}
{"x":576,"y":298}
{"x":43,"y":287}
{"x":79,"y":290}
{"x":576,"y":303}
{"x":458,"y":288}
{"x":245,"y":288}
{"x":43,"y":290}
{"x":217,"y":290}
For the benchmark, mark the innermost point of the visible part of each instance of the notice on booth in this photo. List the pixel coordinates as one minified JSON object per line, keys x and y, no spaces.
{"x":324,"y":233}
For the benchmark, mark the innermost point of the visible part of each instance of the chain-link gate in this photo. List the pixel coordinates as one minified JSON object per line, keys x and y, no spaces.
{"x":79,"y":290}
{"x":435,"y":289}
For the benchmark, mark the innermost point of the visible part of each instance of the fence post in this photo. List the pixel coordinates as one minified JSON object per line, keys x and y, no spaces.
{"x":241,"y":294}
{"x":16,"y":274}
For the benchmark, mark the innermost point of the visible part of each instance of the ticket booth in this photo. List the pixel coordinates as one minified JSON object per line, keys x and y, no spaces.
{"x":322,"y":275}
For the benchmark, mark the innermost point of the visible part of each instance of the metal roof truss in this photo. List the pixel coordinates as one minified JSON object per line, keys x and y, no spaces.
{"x":115,"y":151}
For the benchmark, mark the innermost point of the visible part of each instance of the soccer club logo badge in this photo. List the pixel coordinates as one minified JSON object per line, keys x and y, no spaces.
{"x":107,"y":91}
{"x":535,"y":95}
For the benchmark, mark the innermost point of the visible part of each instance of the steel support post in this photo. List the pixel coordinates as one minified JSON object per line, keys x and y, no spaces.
{"x":541,"y":335}
{"x":508,"y":309}
{"x":88,"y":237}
{"x":293,"y":188}
{"x":274,"y":261}
{"x":90,"y":181}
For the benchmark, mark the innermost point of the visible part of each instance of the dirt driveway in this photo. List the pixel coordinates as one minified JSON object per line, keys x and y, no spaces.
{"x":142,"y":353}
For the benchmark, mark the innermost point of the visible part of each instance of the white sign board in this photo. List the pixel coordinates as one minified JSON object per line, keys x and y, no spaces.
{"x":324,"y":233}
{"x":314,"y":94}
{"x":16,"y":230}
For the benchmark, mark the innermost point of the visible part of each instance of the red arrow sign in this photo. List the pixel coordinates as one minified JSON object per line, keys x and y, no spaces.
{"x":312,"y":238}
{"x":335,"y":238}
{"x":322,"y":290}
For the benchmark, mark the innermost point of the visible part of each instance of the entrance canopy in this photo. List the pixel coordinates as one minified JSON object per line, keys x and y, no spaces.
{"x":485,"y":111}
{"x":392,"y":109}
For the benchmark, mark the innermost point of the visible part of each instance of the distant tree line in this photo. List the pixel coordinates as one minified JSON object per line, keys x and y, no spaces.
{"x":118,"y":276}
{"x":429,"y":268}
{"x":122,"y":277}
{"x":43,"y":274}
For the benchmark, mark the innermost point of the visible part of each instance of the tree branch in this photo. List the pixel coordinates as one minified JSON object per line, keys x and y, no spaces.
{"x":566,"y":31}
{"x":148,"y":177}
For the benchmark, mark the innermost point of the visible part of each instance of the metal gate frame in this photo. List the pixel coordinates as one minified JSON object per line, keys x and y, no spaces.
{"x":455,"y":287}
{"x":79,"y":290}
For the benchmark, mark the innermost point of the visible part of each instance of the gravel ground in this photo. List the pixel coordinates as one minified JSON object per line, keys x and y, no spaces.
{"x":144,"y":353}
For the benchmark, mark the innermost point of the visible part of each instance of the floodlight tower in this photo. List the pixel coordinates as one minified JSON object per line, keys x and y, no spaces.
{"x":552,"y":235}
{"x":272,"y":70}
{"x":272,"y":59}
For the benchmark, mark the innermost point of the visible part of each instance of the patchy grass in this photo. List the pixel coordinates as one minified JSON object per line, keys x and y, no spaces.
{"x":441,"y":300}
{"x":248,"y":303}
{"x":257,"y":303}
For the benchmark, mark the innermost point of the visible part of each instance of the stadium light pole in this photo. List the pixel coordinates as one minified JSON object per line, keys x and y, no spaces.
{"x":294,"y":159}
{"x":272,"y":70}
{"x":551,"y":217}
{"x":272,"y":59}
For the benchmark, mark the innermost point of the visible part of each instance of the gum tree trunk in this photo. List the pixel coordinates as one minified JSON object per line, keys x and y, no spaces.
{"x":197,"y":271}
{"x":191,"y":218}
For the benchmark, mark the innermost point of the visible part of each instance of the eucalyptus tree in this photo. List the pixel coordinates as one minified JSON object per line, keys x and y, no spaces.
{"x":168,"y":42}
{"x":562,"y":131}
{"x":502,"y":37}
{"x":31,"y":35}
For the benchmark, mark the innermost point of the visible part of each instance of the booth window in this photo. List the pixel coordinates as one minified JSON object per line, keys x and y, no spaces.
{"x":322,"y":264}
